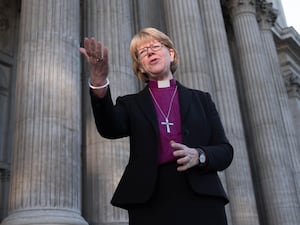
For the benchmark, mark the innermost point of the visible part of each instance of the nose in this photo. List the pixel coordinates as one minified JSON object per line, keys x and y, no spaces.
{"x":149,"y":51}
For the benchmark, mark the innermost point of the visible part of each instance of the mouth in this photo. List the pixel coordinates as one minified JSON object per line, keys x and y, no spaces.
{"x":153,"y":61}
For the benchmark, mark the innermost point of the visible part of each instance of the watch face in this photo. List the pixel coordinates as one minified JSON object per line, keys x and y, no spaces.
{"x":202,"y":158}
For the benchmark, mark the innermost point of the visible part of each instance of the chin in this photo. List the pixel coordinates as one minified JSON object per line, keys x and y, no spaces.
{"x":157,"y":77}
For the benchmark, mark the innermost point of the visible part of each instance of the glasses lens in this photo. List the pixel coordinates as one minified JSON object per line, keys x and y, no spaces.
{"x":143,"y":52}
{"x":154,"y":47}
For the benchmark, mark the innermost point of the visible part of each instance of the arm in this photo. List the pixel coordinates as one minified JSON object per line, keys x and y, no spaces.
{"x":219,"y":151}
{"x":111,"y":120}
{"x":214,"y":144}
{"x":98,"y":66}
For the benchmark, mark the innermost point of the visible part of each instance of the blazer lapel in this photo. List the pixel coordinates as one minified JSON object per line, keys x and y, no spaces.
{"x":147,"y":107}
{"x":185,"y":99}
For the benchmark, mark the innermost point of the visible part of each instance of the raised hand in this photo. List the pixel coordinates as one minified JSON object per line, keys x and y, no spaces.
{"x":97,"y":60}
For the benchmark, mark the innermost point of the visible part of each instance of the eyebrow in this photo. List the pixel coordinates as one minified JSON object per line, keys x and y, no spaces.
{"x":156,"y":42}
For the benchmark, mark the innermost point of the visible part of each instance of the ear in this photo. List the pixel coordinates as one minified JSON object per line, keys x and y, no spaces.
{"x":142,"y":70}
{"x":141,"y":67}
{"x":172,"y":54}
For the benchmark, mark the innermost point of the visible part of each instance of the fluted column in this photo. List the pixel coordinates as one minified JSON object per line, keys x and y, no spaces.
{"x":46,"y":165}
{"x":4,"y":189}
{"x":149,"y":14}
{"x":243,"y":210}
{"x":266,"y":17}
{"x":184,"y":25}
{"x":268,"y":147}
{"x":292,"y":85}
{"x":110,"y":22}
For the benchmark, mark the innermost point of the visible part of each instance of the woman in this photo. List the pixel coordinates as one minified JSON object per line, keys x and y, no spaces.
{"x":177,"y":142}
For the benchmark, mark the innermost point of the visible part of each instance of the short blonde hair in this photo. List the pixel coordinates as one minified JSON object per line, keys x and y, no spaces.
{"x":145,"y":35}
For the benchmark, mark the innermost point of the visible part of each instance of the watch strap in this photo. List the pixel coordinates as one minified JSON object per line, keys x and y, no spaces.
{"x":202,"y":153}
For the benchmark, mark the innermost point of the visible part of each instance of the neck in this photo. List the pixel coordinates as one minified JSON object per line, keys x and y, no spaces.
{"x":162,"y":78}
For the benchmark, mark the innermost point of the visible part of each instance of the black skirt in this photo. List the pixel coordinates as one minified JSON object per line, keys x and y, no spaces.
{"x":174,"y":203}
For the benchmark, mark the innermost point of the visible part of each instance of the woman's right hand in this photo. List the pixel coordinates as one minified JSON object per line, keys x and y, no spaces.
{"x":97,"y":60}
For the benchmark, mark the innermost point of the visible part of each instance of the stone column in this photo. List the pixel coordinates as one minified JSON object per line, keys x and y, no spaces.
{"x":292,"y":85}
{"x":243,"y":209}
{"x":4,"y":190}
{"x":266,"y":17}
{"x":149,"y":14}
{"x":268,"y":148}
{"x":110,"y":22}
{"x":184,"y":26}
{"x":46,"y":170}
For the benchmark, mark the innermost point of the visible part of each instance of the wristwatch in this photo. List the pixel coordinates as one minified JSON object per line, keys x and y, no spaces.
{"x":202,"y":157}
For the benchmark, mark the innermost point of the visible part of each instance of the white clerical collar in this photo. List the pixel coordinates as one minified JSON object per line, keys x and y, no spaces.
{"x":163,"y":83}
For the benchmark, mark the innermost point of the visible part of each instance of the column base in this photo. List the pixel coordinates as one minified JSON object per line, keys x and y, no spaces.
{"x":44,"y":217}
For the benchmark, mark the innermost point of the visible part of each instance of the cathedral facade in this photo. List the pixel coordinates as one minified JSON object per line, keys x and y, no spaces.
{"x":54,"y":166}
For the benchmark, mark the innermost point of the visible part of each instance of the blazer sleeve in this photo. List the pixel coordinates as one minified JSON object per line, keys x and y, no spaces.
{"x":111,"y":120}
{"x":219,"y":151}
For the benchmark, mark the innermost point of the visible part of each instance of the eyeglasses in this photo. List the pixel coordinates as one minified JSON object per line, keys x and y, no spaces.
{"x":143,"y":52}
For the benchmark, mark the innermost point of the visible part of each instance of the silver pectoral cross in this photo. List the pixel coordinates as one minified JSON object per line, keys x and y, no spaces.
{"x":167,"y":124}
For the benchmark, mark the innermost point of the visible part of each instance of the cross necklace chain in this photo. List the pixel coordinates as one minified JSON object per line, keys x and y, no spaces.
{"x":166,"y":122}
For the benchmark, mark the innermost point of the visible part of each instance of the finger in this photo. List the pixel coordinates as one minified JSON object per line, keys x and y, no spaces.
{"x":84,"y":53}
{"x":93,"y":47}
{"x":98,"y":50}
{"x":105,"y":54}
{"x":182,"y":168}
{"x":86,"y":44}
{"x":183,"y":161}
{"x":179,"y":153}
{"x":176,"y":146}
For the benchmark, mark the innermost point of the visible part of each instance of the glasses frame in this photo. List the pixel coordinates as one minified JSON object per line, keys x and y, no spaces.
{"x":155,"y":47}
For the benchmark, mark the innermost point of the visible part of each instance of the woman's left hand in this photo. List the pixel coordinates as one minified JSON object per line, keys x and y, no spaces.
{"x":187,"y":157}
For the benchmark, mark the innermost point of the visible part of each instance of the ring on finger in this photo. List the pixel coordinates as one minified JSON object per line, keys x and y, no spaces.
{"x":99,"y":59}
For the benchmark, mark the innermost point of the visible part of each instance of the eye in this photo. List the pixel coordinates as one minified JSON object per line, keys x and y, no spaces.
{"x":143,"y":51}
{"x":155,"y":47}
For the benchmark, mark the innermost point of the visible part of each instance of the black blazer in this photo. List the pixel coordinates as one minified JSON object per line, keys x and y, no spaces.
{"x":134,"y":116}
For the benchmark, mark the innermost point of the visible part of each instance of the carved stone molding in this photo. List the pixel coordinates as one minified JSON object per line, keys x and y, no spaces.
{"x":236,"y":3}
{"x":292,"y":83}
{"x":236,"y":7}
{"x":266,"y":14}
{"x":4,"y":175}
{"x":4,"y":22}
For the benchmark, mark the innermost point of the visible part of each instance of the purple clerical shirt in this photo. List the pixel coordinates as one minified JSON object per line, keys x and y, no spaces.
{"x":163,"y":97}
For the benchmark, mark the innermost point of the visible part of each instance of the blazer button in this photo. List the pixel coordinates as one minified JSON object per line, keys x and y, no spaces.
{"x":186,"y":132}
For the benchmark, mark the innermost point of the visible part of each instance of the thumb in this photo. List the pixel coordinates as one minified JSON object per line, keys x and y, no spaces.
{"x":84,"y":53}
{"x":174,"y":144}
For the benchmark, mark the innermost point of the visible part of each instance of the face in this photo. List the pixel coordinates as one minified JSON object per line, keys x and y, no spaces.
{"x":155,"y":60}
